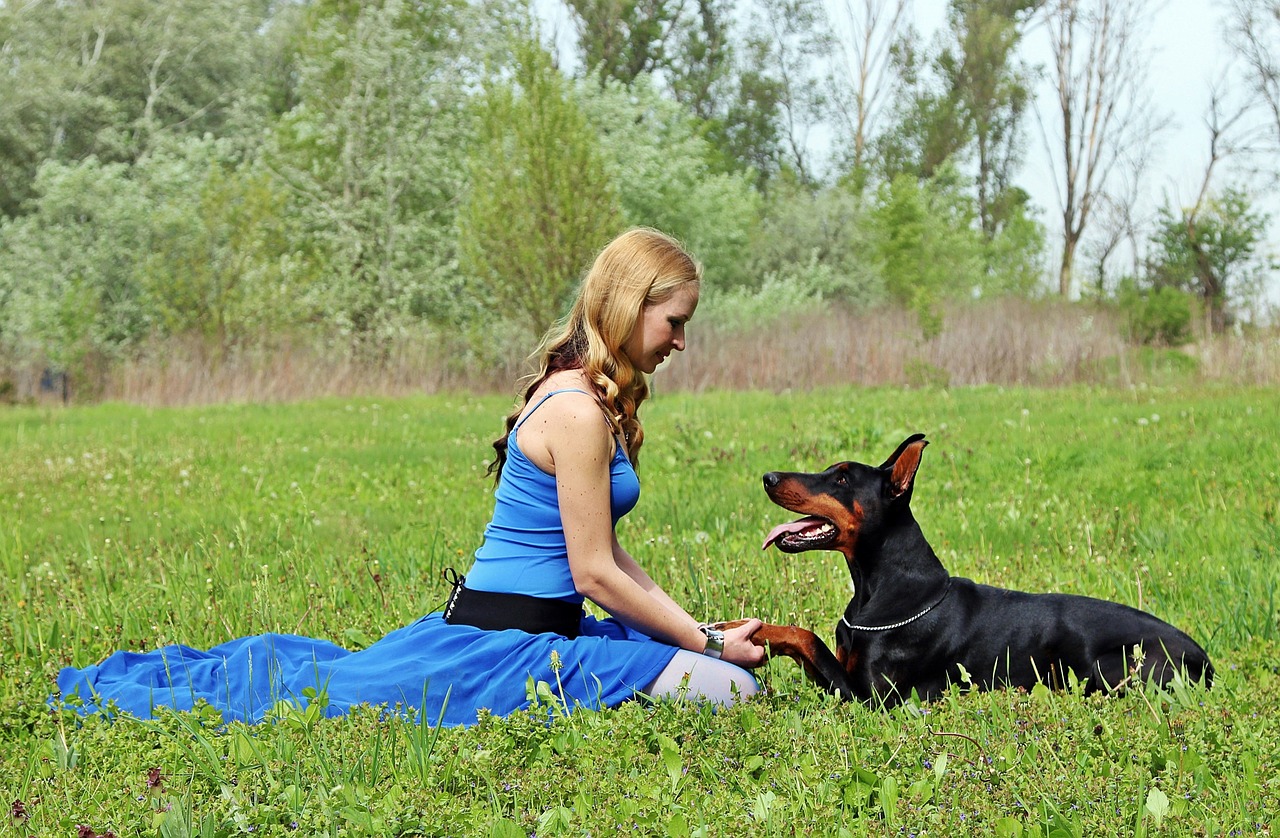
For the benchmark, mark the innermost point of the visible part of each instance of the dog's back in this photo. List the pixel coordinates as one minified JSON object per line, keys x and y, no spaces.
{"x":1013,"y":638}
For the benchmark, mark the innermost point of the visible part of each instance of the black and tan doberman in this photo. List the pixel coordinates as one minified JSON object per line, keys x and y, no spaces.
{"x":912,"y":627}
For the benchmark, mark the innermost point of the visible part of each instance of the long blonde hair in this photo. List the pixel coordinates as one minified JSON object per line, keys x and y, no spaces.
{"x":640,"y":267}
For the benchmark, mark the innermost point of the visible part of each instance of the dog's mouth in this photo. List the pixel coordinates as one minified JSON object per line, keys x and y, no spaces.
{"x":810,"y":533}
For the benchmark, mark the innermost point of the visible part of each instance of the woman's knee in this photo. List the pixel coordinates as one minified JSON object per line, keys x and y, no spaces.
{"x":690,"y":675}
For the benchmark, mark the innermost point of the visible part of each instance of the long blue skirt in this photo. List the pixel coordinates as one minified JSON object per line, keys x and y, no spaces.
{"x":442,"y":673}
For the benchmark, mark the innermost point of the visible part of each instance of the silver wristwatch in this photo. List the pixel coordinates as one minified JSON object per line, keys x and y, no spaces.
{"x":715,"y":641}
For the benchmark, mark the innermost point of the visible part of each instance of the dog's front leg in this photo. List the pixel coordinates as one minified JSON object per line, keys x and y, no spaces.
{"x":806,"y":649}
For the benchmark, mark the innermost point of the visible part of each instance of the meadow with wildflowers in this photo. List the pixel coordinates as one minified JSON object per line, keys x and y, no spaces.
{"x":130,"y":527}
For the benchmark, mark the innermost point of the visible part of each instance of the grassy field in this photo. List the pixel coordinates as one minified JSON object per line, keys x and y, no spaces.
{"x":128,"y":527}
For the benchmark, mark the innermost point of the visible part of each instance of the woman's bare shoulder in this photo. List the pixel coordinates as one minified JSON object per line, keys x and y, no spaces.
{"x":573,"y":392}
{"x":573,"y":421}
{"x":574,"y":411}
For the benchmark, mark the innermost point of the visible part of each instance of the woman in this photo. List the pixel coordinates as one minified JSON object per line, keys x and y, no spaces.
{"x":565,"y":471}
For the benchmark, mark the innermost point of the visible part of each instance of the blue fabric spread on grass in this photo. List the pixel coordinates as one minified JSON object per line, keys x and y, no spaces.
{"x":447,"y":672}
{"x":469,"y":667}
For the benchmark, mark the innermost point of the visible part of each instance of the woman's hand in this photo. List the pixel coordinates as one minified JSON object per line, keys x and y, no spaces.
{"x":738,"y":647}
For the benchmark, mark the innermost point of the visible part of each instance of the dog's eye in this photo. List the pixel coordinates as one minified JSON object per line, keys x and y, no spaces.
{"x":841,"y":480}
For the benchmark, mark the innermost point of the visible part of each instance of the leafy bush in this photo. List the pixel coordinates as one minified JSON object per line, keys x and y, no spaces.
{"x":1160,"y":315}
{"x":820,"y":237}
{"x":1216,"y":252}
{"x":926,"y":244}
{"x":69,"y":270}
{"x":540,"y":202}
{"x":372,"y":157}
{"x":190,"y":240}
{"x":779,"y":296}
{"x":221,"y":265}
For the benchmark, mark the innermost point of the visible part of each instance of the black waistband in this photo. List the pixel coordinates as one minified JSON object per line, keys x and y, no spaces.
{"x":495,"y":611}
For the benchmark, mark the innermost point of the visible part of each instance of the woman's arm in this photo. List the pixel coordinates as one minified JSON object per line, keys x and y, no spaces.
{"x":632,"y":568}
{"x":738,"y":646}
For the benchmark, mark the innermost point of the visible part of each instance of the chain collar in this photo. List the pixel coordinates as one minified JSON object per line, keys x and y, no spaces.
{"x":935,"y":604}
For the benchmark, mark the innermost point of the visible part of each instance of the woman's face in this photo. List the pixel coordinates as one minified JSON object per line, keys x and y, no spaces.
{"x":660,"y":329}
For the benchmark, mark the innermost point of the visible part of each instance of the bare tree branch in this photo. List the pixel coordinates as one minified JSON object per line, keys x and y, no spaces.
{"x":1253,"y":33}
{"x":1104,"y":114}
{"x":873,"y":26}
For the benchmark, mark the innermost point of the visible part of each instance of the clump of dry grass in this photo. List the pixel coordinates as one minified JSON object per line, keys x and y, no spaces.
{"x":189,"y":373}
{"x":1005,"y":342}
{"x":1008,"y":342}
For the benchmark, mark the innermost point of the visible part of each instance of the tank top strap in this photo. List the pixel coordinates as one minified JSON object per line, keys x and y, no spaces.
{"x":543,"y":399}
{"x":619,"y":448}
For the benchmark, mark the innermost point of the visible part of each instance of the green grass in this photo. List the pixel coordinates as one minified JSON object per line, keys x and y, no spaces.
{"x":127,"y":527}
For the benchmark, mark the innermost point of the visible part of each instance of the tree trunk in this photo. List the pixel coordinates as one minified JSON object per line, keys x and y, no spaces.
{"x":1067,"y":267}
{"x":1211,"y":287}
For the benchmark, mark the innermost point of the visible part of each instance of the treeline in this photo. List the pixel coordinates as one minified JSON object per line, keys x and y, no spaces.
{"x":343,"y":171}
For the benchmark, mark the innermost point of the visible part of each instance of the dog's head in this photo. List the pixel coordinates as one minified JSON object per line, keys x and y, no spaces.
{"x":843,"y":501}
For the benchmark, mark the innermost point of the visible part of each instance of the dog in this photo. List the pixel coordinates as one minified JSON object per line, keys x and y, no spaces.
{"x":912,"y":628}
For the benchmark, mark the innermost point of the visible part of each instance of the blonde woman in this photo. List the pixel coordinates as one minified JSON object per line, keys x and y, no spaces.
{"x":565,"y":475}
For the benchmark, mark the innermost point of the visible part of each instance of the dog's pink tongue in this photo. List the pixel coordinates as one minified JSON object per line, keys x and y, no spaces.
{"x":795,"y":526}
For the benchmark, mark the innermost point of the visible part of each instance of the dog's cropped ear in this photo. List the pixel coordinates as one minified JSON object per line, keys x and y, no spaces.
{"x":903,"y":464}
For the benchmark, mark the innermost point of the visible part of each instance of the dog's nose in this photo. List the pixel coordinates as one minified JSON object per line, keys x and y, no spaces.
{"x":771,"y":479}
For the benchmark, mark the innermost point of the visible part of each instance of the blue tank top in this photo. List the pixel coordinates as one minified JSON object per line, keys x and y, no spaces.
{"x":524,"y":548}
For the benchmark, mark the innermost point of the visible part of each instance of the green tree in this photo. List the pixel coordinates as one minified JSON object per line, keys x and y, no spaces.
{"x":372,"y":155}
{"x":666,"y":175}
{"x":701,"y":72}
{"x":687,"y":51}
{"x":540,"y":201}
{"x":748,"y":133}
{"x":1014,"y":252}
{"x":790,"y":41}
{"x":927,"y":129}
{"x":1159,"y":315}
{"x":622,"y":39}
{"x":108,"y":78}
{"x":800,"y":225}
{"x":190,"y":240}
{"x":819,"y":241}
{"x":1212,"y":250}
{"x":993,"y":89}
{"x":926,"y":244}
{"x":219,"y":265}
{"x":965,"y":103}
